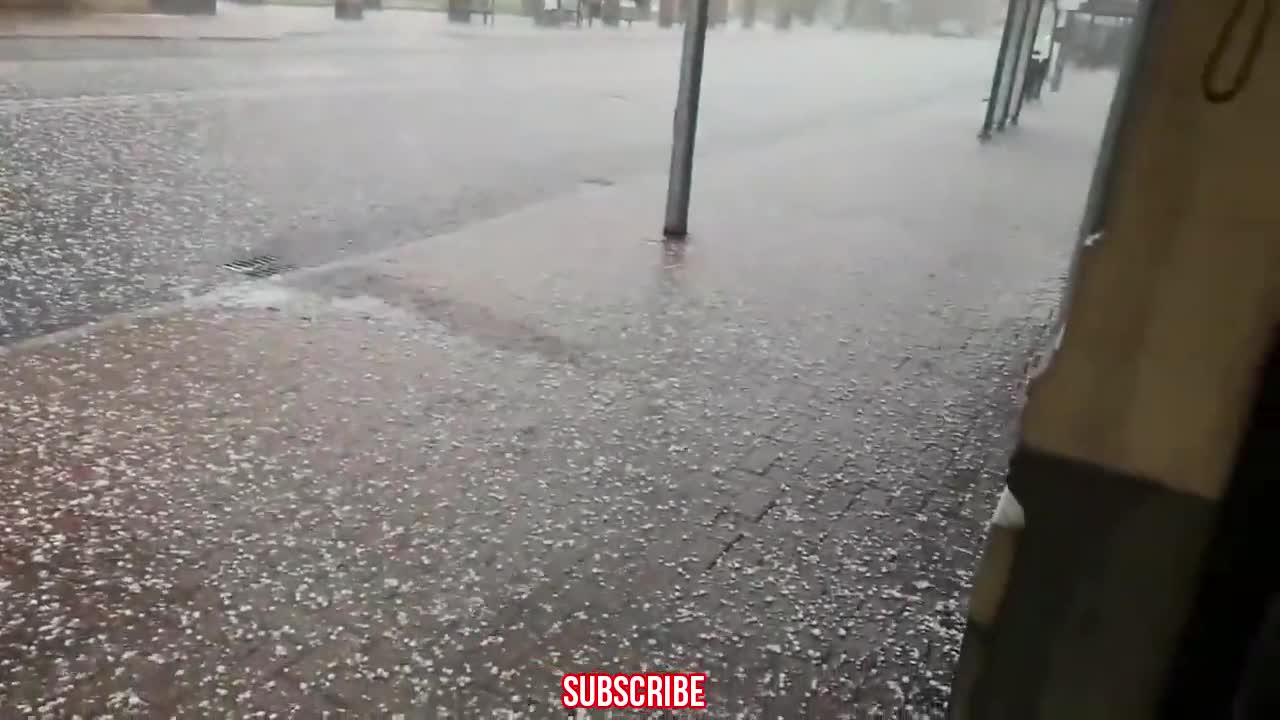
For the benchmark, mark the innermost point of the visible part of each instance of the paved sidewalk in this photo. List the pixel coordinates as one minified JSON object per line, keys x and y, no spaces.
{"x":429,"y":481}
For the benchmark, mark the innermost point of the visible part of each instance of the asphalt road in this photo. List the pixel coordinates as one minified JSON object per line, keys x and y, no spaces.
{"x":131,"y":171}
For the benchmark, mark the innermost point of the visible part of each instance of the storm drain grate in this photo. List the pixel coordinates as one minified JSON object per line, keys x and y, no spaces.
{"x":258,"y":266}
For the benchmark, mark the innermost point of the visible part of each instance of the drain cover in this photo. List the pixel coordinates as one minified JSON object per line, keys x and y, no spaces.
{"x":258,"y":266}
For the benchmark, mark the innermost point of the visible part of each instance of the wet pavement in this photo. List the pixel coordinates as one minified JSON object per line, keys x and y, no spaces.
{"x":454,"y":455}
{"x":191,"y":155}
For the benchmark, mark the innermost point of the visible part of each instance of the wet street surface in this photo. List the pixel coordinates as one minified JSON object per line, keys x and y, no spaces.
{"x":131,"y":174}
{"x":484,"y":430}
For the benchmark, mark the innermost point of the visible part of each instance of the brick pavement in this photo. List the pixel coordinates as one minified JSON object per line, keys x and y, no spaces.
{"x":429,"y":481}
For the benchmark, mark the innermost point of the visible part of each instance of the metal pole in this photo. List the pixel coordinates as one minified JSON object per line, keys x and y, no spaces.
{"x":686,"y":121}
{"x":1025,"y":62}
{"x":1017,"y":60}
{"x":997,"y":76}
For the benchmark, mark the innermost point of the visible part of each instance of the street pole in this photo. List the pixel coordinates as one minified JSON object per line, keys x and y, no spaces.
{"x":680,"y":182}
{"x":1033,"y":31}
{"x":1021,"y":53}
{"x":997,"y":76}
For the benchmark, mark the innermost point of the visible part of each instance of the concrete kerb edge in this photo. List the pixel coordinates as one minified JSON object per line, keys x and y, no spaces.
{"x":227,"y":291}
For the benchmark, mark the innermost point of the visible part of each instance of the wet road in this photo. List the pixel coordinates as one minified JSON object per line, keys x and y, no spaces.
{"x":523,"y":439}
{"x":131,"y":172}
